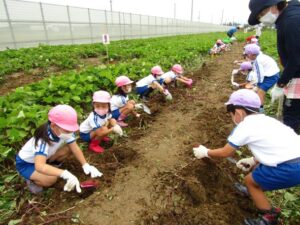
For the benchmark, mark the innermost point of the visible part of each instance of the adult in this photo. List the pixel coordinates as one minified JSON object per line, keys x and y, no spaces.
{"x":232,"y":30}
{"x":286,"y":16}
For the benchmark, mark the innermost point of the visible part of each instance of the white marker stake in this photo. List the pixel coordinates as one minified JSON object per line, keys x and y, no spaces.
{"x":106,"y":42}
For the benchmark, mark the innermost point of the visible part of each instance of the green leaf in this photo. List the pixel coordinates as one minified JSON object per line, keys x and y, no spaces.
{"x":14,"y":222}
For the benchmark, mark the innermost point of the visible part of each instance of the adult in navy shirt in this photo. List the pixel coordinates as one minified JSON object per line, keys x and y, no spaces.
{"x":232,"y":30}
{"x":286,"y":16}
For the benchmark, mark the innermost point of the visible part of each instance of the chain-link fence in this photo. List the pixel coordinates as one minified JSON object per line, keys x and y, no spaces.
{"x":26,"y":24}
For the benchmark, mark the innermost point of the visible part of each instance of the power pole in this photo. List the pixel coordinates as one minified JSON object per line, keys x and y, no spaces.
{"x":192,"y":10}
{"x":110,"y":1}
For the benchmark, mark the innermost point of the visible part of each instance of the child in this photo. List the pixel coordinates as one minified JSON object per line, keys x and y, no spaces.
{"x":249,"y":38}
{"x":251,"y":77}
{"x":173,"y":75}
{"x":265,"y":67}
{"x":147,"y":84}
{"x":52,"y":142}
{"x":99,"y":123}
{"x":120,"y":104}
{"x":275,"y":147}
{"x":218,"y":47}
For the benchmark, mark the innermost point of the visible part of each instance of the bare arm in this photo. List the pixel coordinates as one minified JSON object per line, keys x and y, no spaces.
{"x":223,"y":152}
{"x":77,"y":152}
{"x":42,"y":167}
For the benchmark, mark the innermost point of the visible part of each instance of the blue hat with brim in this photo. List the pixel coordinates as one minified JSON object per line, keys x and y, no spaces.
{"x":256,"y":6}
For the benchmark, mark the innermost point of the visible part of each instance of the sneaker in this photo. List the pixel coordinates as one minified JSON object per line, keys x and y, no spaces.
{"x":121,"y":123}
{"x":34,"y":188}
{"x":241,"y":189}
{"x":269,"y":218}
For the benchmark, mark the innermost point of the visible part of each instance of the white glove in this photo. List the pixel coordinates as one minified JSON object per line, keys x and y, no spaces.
{"x":88,"y":169}
{"x":168,"y":95}
{"x":276,"y":93}
{"x":72,"y":181}
{"x":118,"y":130}
{"x":200,"y":152}
{"x":235,"y":84}
{"x":138,"y":106}
{"x":246,"y":164}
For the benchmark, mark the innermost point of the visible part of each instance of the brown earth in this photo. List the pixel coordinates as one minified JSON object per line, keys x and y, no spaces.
{"x":152,"y":177}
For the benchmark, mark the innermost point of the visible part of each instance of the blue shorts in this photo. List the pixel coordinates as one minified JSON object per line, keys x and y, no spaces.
{"x":142,"y":90}
{"x":116,"y":114}
{"x":285,"y":175}
{"x":268,"y":82}
{"x":85,"y":136}
{"x":25,"y":169}
{"x":161,"y":81}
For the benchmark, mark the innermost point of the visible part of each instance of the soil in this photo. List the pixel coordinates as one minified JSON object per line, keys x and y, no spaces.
{"x":152,"y":177}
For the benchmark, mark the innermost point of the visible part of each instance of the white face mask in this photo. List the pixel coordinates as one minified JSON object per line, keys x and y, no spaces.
{"x":101,"y":112}
{"x":65,"y":136}
{"x":269,"y":18}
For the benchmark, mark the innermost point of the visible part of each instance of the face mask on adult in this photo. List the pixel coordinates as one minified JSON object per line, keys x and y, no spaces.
{"x":101,"y":112}
{"x":268,"y":18}
{"x":65,"y":136}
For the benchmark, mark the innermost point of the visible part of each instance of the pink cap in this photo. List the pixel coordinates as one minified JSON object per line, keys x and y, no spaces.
{"x":177,"y":68}
{"x":246,"y":66}
{"x":219,"y":41}
{"x":64,"y":116}
{"x":156,"y":70}
{"x":252,"y":49}
{"x":101,"y":96}
{"x":122,"y":80}
{"x":244,"y":97}
{"x":254,"y":41}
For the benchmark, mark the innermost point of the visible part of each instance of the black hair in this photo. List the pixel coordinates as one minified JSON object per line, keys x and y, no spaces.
{"x":249,"y":110}
{"x":121,"y":92}
{"x":281,"y":5}
{"x":42,"y":133}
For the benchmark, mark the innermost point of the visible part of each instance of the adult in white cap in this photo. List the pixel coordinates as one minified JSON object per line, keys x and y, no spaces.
{"x":275,"y":163}
{"x":286,"y":16}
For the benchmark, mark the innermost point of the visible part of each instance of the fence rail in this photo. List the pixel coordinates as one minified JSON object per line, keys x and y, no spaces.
{"x":27,"y":24}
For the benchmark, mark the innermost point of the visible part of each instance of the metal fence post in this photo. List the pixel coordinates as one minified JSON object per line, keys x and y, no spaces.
{"x":120,"y":26}
{"x":148,"y":26}
{"x":130,"y":25}
{"x":44,"y":23}
{"x":90,"y":25}
{"x":70,"y":25}
{"x":141,"y":26}
{"x":106,"y":25}
{"x":10,"y":25}
{"x":124,"y":29}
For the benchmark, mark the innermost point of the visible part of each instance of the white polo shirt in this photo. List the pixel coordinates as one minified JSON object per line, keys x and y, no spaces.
{"x":252,"y":77}
{"x":93,"y":122}
{"x":118,"y":101}
{"x":169,"y":74}
{"x":146,"y":81}
{"x":265,"y":66}
{"x":29,"y":150}
{"x":270,"y":141}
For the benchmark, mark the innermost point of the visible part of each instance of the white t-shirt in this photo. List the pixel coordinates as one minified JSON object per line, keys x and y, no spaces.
{"x":29,"y":150}
{"x":265,"y":66}
{"x":118,"y":101}
{"x":93,"y":122}
{"x":146,"y":81}
{"x":252,"y":77}
{"x":169,"y":74}
{"x":270,"y":141}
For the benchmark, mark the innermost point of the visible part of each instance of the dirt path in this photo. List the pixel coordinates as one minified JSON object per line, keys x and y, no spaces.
{"x":165,"y":184}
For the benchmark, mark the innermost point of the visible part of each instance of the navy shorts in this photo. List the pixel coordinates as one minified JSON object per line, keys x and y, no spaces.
{"x":283,"y":176}
{"x":116,"y":114}
{"x":25,"y":169}
{"x":142,"y":90}
{"x":268,"y":82}
{"x":85,"y":136}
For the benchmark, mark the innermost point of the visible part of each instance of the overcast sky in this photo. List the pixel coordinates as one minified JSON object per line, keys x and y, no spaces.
{"x":206,"y":10}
